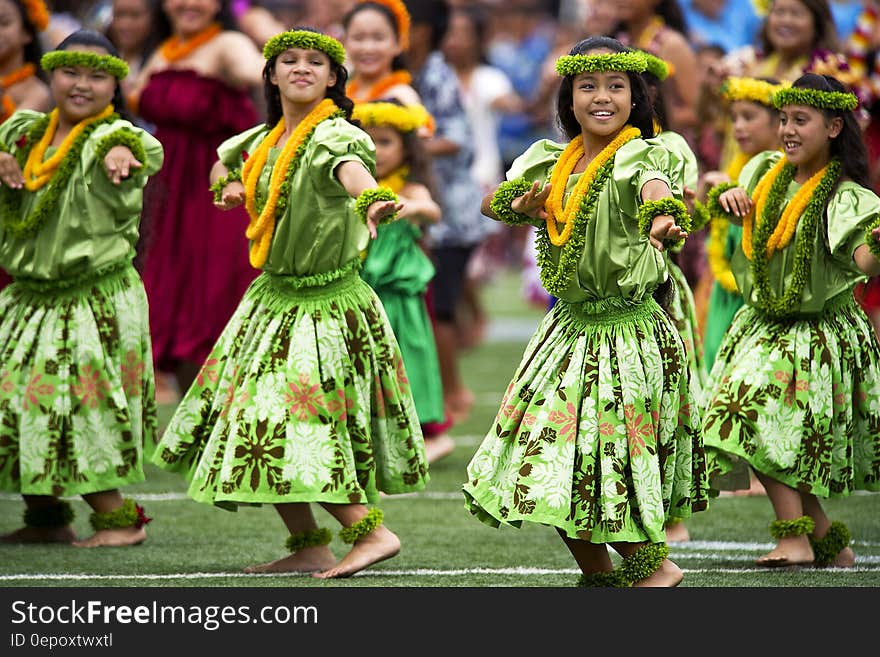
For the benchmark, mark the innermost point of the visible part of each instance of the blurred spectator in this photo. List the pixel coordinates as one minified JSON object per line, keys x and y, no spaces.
{"x":846,"y":15}
{"x":136,"y":28}
{"x":730,"y":24}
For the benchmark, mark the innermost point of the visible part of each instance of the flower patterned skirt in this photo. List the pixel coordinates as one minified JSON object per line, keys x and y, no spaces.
{"x":798,"y":401}
{"x":304,"y":398}
{"x":77,"y":392}
{"x":597,"y":434}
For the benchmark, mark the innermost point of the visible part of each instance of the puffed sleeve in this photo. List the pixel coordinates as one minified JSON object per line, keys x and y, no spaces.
{"x":637,"y":162}
{"x":234,"y":151}
{"x":536,"y":162}
{"x":689,"y":169}
{"x":755,"y":169}
{"x":851,"y":210}
{"x":336,"y":141}
{"x":16,"y":126}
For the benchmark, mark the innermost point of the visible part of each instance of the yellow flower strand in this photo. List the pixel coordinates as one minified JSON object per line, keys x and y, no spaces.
{"x":36,"y":172}
{"x":262,"y":225}
{"x":719,"y":265}
{"x":396,"y":180}
{"x":759,"y":199}
{"x":564,"y":166}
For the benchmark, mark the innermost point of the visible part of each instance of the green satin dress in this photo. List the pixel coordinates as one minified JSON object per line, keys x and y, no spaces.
{"x":799,"y":399}
{"x":304,"y":397}
{"x":77,"y":392}
{"x":598,"y":433}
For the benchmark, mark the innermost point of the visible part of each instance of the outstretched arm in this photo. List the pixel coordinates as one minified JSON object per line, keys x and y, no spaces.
{"x":663,"y":226}
{"x":356,"y":179}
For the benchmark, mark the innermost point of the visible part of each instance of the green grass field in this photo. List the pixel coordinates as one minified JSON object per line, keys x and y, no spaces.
{"x":192,"y":544}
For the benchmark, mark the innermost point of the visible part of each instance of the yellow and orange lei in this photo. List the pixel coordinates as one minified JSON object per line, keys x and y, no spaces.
{"x":37,"y":172}
{"x":175,"y":48}
{"x":262,"y":224}
{"x":377,"y":91}
{"x":785,"y":229}
{"x":563,"y":169}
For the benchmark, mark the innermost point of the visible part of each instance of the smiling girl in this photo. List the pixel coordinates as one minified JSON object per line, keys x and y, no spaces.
{"x":795,"y":390}
{"x":304,"y":398}
{"x":598,"y":432}
{"x":77,"y":399}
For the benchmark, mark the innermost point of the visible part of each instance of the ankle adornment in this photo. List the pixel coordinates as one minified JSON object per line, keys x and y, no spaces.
{"x":309,"y":538}
{"x":788,"y":528}
{"x":829,"y":546}
{"x":644,"y":562}
{"x":50,"y":515}
{"x":612,"y":579}
{"x":128,"y":515}
{"x":362,"y":527}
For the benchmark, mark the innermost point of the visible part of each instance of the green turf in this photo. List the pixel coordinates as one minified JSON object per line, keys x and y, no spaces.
{"x":442,"y":545}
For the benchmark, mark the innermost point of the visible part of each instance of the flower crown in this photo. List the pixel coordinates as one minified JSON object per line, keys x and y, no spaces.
{"x":37,"y":13}
{"x":752,"y":89}
{"x":401,"y":17}
{"x":619,"y":61}
{"x":115,"y":66}
{"x":762,"y":7}
{"x":404,"y":118}
{"x":659,"y":68}
{"x":828,"y":100}
{"x":307,"y":40}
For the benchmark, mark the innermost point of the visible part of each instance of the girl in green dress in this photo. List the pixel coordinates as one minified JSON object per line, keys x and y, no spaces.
{"x":598,"y":432}
{"x":795,"y":389}
{"x":77,"y":398}
{"x":305,"y":397}
{"x":396,"y":265}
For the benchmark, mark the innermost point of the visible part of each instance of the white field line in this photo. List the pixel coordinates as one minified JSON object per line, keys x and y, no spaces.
{"x":414,"y":572}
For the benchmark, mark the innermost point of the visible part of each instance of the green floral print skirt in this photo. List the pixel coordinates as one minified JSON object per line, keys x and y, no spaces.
{"x":597,"y":434}
{"x":304,"y":398}
{"x":798,"y":401}
{"x":77,"y":391}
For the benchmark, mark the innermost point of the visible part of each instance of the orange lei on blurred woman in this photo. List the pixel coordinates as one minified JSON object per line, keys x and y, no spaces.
{"x":377,"y":91}
{"x":9,"y":80}
{"x":174,"y":48}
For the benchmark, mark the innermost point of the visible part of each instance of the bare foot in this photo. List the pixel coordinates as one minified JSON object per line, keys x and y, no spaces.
{"x":378,"y":545}
{"x":677,"y":532}
{"x":667,"y":575}
{"x":308,"y":560}
{"x":458,"y":404}
{"x":120,"y":537}
{"x":437,"y":447}
{"x":791,"y":551}
{"x":846,"y":558}
{"x":63,"y":534}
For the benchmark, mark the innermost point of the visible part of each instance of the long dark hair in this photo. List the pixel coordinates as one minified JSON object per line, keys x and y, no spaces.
{"x":97,"y":40}
{"x":826,"y":36}
{"x":33,"y":51}
{"x":642,"y":114}
{"x":849,"y":145}
{"x":399,"y":61}
{"x":272,"y":93}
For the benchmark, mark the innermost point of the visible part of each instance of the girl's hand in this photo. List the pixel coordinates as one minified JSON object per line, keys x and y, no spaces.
{"x":231,"y":197}
{"x":532,"y":202}
{"x":663,"y":227}
{"x":378,"y":211}
{"x":689,"y":198}
{"x":10,"y":172}
{"x":119,"y":162}
{"x":736,"y":202}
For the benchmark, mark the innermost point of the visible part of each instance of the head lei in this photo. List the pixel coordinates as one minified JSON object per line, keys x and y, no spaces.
{"x":37,"y":13}
{"x":401,"y":17}
{"x":838,"y":101}
{"x":307,"y":40}
{"x":404,"y":118}
{"x":659,"y":68}
{"x":115,"y":66}
{"x":751,"y":89}
{"x":620,"y":61}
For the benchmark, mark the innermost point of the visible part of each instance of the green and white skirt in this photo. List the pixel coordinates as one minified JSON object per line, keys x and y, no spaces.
{"x":597,"y":434}
{"x":798,"y":401}
{"x":77,"y":391}
{"x":304,"y":398}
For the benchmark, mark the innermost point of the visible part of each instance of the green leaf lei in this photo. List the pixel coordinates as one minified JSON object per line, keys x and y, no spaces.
{"x":307,"y":40}
{"x":115,"y":66}
{"x":217,"y":188}
{"x":700,"y":217}
{"x":556,"y":278}
{"x":828,"y":100}
{"x":504,"y":197}
{"x":369,"y":196}
{"x":781,"y":308}
{"x":712,"y":204}
{"x":671,"y":206}
{"x":872,"y":243}
{"x":121,"y":137}
{"x":620,"y":61}
{"x":11,"y":199}
{"x":787,"y":528}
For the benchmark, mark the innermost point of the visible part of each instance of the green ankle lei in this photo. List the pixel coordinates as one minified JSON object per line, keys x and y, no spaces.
{"x":788,"y":528}
{"x":52,"y":515}
{"x":309,"y":538}
{"x":362,"y":527}
{"x":128,"y":515}
{"x":776,"y":307}
{"x":829,"y":546}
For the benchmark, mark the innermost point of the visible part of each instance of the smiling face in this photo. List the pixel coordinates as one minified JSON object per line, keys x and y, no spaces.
{"x":601,"y":101}
{"x":806,"y":136}
{"x":755,"y":127}
{"x":371,"y":43}
{"x":302,"y":75}
{"x":790,"y":26}
{"x":80,"y":91}
{"x":189,"y":17}
{"x":131,"y":24}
